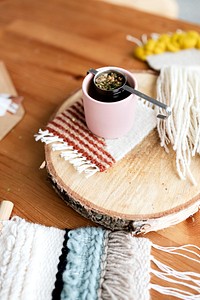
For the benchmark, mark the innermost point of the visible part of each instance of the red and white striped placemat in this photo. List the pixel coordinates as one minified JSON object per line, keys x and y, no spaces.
{"x":68,"y":133}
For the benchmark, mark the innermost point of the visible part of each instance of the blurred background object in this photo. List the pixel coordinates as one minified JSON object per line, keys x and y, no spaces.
{"x":189,"y":10}
{"x":166,"y":8}
{"x":186,"y":10}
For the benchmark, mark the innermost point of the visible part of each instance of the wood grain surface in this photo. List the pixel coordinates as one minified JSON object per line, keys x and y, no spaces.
{"x":144,"y":185}
{"x":47,"y":48}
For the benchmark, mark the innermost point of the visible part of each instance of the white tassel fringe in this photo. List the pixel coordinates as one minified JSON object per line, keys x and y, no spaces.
{"x":124,"y":271}
{"x":79,"y":162}
{"x":178,"y":87}
{"x":187,"y":279}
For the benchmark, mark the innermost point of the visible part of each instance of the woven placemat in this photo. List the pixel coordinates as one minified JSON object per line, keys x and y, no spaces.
{"x":42,"y":263}
{"x":88,"y":153}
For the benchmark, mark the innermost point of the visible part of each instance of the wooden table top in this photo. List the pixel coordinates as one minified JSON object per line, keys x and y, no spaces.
{"x":47,"y":47}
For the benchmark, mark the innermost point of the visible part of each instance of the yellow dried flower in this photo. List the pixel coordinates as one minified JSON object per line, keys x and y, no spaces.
{"x":169,"y":42}
{"x":140,"y":53}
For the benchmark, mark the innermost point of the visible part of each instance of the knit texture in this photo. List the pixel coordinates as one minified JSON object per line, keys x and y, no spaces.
{"x":106,"y":265}
{"x":82,"y":274}
{"x":43,"y":263}
{"x":68,"y":133}
{"x":29,"y":255}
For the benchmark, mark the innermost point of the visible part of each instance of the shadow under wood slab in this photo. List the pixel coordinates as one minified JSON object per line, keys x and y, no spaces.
{"x":140,"y":193}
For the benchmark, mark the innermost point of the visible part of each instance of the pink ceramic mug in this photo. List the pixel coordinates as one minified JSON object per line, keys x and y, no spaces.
{"x":109,"y":119}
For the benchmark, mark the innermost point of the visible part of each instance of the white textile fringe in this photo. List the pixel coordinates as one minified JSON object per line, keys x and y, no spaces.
{"x":178,"y":87}
{"x":79,"y":162}
{"x":184,"y":279}
{"x":123,"y":263}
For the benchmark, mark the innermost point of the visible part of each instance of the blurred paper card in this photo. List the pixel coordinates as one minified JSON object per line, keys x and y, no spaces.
{"x":8,"y":120}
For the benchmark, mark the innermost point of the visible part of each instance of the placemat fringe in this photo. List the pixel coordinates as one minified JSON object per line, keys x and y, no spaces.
{"x":79,"y":162}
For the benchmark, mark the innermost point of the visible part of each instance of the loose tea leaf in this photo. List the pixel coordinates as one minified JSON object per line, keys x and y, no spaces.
{"x":110,"y":80}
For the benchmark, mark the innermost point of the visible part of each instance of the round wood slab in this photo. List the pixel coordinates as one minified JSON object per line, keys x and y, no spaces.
{"x":140,"y":193}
